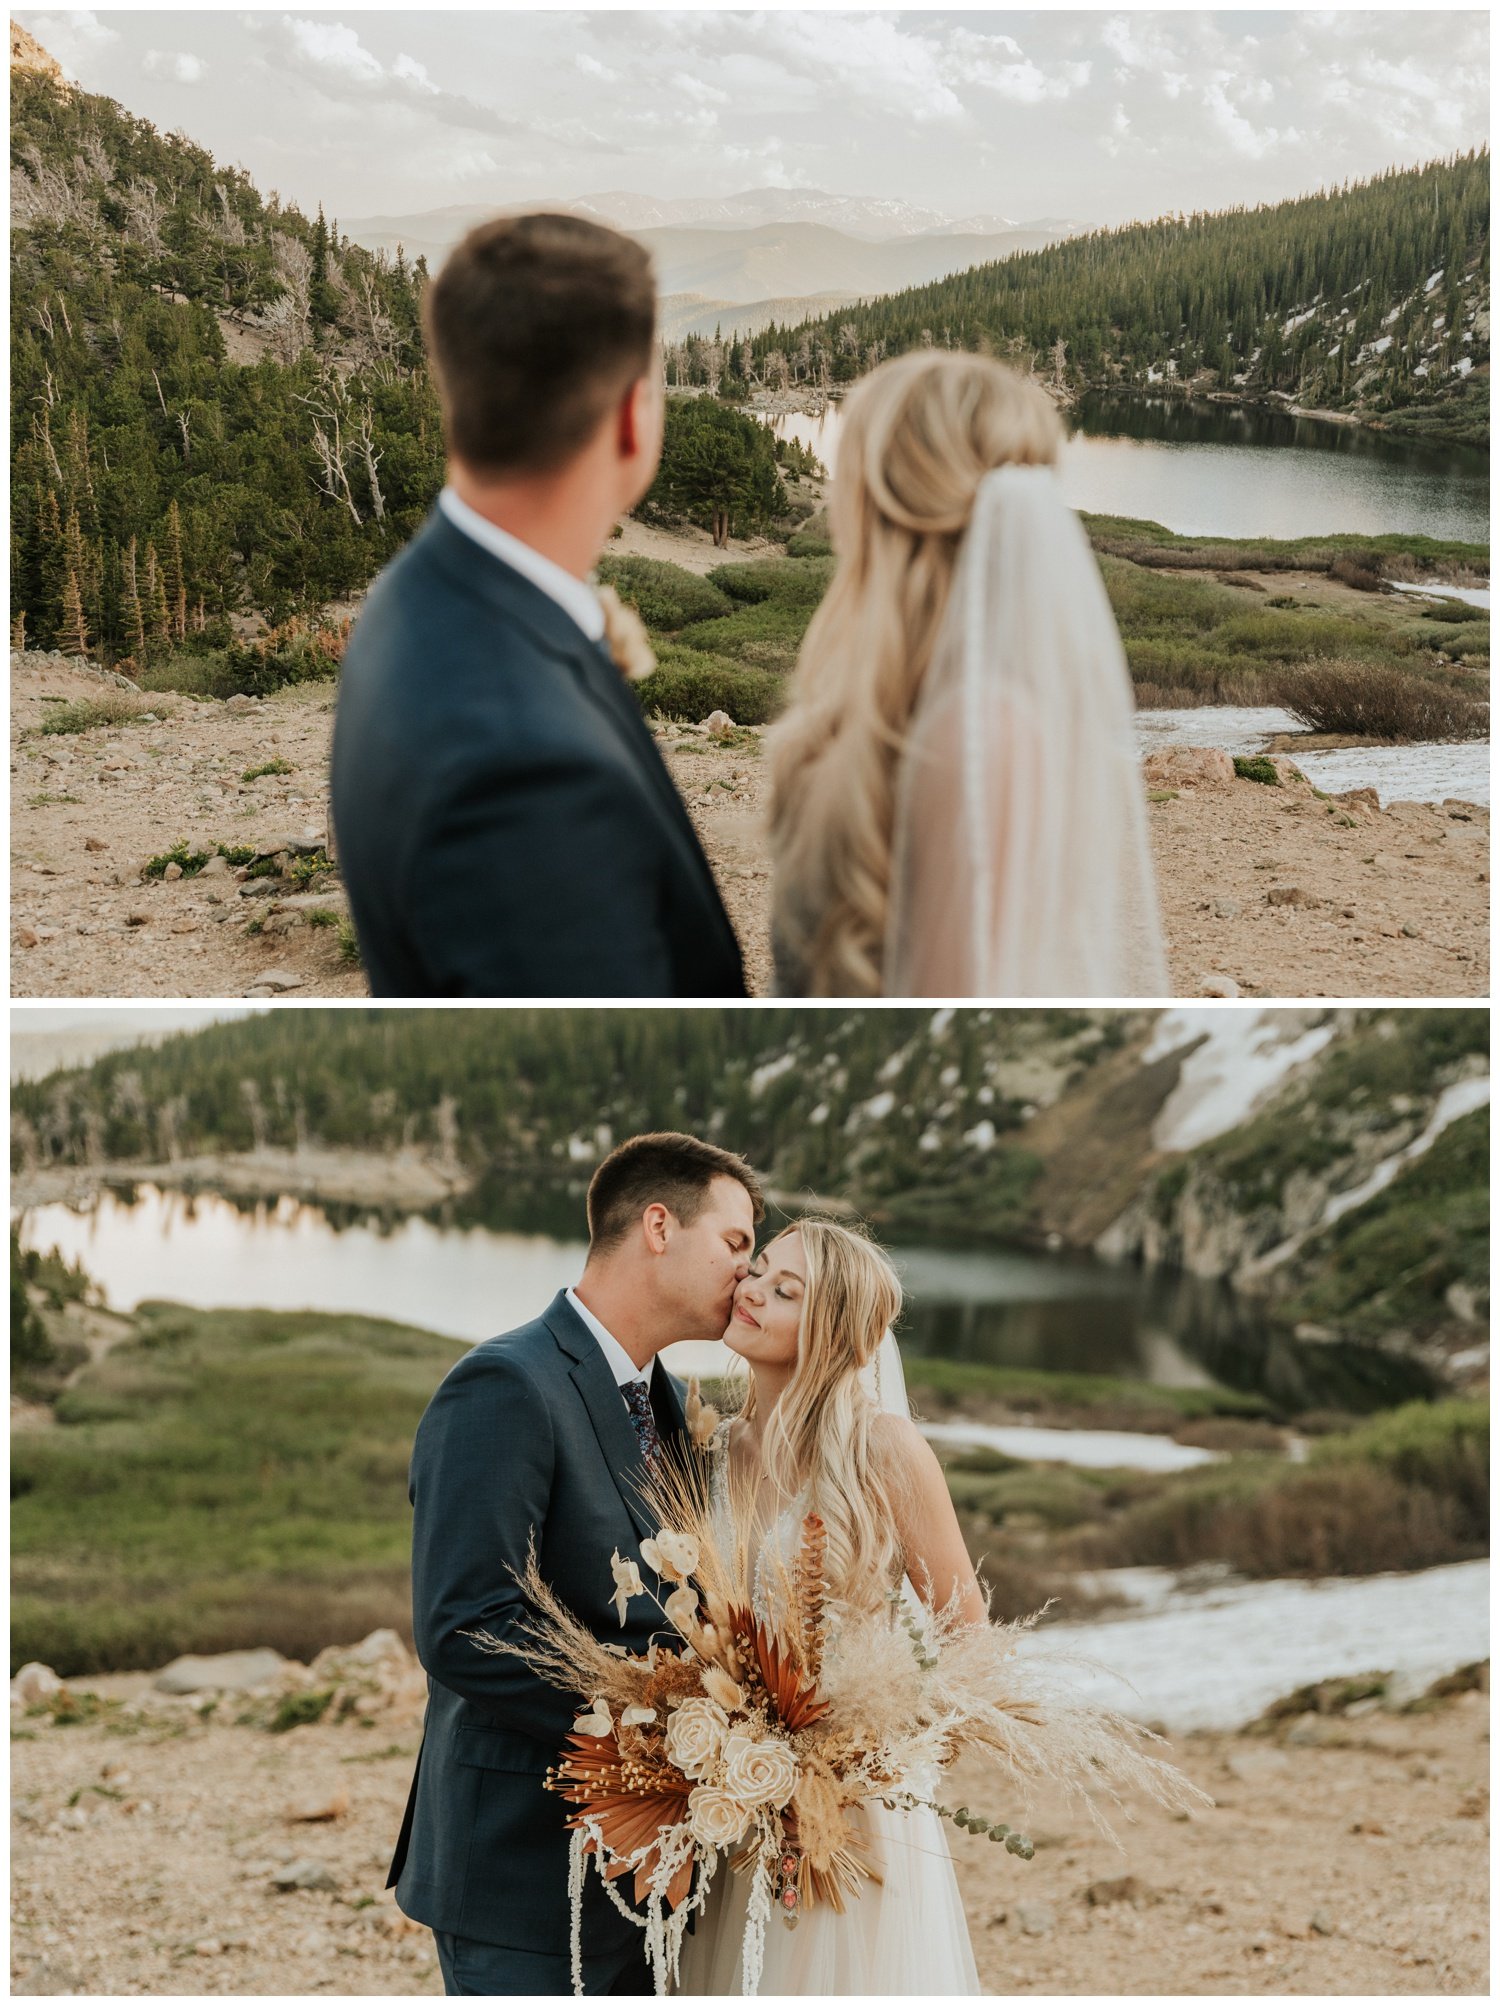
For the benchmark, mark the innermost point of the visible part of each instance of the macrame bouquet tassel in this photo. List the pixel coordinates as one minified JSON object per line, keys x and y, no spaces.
{"x":810,"y":1591}
{"x":757,"y":1915}
{"x":578,"y":1839}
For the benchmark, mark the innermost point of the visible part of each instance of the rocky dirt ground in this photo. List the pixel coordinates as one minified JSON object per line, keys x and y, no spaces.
{"x":1267,"y":891}
{"x":163,"y":1851}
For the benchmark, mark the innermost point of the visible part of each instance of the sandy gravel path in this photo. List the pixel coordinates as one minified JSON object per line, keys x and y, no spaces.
{"x":1354,"y":1864}
{"x":1285,"y":894}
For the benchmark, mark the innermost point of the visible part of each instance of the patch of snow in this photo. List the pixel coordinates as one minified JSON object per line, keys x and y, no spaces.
{"x":1420,"y":370}
{"x":1394,"y":314}
{"x":1432,"y":282}
{"x":1471,"y":595}
{"x":930,"y":1139}
{"x":878,"y":1106}
{"x":1462,"y":367}
{"x":981,"y":1136}
{"x":1379,"y":347}
{"x":580,"y":1151}
{"x":772,"y":1070}
{"x":893,"y":1065}
{"x":941,"y":1019}
{"x":1233,"y":728}
{"x":1220,"y":1658}
{"x":819,"y":1114}
{"x":1244,"y":1058}
{"x":1298,"y":320}
{"x":1405,"y":772}
{"x":1462,"y":1098}
{"x":949,"y":1077}
{"x":1084,"y":1448}
{"x":1440,"y":323}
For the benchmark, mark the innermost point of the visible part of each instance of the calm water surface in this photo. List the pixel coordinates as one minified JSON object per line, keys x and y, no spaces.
{"x":1220,"y":470}
{"x":991,"y":1306}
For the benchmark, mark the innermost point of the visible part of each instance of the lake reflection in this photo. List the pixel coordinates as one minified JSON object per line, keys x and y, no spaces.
{"x":1063,"y":1313}
{"x":1222,"y":470}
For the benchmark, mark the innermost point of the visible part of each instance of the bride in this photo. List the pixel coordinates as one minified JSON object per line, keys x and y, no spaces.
{"x":811,"y":1319}
{"x":957,"y":801}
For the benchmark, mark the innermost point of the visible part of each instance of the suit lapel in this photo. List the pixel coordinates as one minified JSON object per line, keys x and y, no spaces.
{"x":515,"y":598}
{"x":619,"y":1444}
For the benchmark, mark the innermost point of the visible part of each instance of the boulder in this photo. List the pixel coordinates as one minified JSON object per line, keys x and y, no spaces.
{"x":216,"y":867}
{"x":1189,"y":765}
{"x":1210,"y":984}
{"x":228,"y":1672}
{"x":321,"y":1809}
{"x":33,"y":1684}
{"x":719,"y":723}
{"x":1291,"y":895}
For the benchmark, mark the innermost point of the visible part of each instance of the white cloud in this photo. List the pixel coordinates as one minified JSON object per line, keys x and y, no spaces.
{"x":1254,"y":142}
{"x":696,"y":89}
{"x":868,"y":60}
{"x":176,"y":66}
{"x":71,"y":38}
{"x":332,"y":46}
{"x":410,"y":71}
{"x":996,"y":63}
{"x":592,"y":67}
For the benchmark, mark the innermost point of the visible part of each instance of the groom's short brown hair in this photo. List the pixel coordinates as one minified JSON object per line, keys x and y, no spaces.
{"x":535,"y":326}
{"x":665,"y":1169}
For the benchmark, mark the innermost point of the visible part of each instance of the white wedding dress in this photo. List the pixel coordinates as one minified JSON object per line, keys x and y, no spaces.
{"x":905,"y":1935}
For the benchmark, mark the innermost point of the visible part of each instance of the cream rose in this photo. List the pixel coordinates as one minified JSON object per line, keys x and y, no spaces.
{"x":714,"y":1817}
{"x":695,"y":1736}
{"x":759,"y":1772}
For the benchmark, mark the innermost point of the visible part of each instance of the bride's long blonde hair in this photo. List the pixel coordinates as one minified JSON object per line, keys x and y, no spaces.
{"x":820,"y":1435}
{"x":918,"y":435}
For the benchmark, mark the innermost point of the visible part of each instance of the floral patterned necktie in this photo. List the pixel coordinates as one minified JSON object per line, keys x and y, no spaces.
{"x":638,"y":1401}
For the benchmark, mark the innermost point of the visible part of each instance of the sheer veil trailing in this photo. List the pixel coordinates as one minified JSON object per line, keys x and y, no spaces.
{"x":1020,"y":864}
{"x":884,"y":1378}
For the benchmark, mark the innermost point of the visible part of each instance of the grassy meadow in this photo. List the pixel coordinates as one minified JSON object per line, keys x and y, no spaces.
{"x":1246,"y":634}
{"x":225,"y":1479}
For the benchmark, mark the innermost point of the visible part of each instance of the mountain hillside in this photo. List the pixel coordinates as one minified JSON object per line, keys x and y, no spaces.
{"x":1148,"y":1134}
{"x":1371,"y":299}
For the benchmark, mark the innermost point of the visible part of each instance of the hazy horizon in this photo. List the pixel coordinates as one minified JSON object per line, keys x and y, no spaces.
{"x":1104,"y":118}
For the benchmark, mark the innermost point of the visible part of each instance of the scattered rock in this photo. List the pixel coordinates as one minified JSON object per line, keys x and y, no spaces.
{"x":1178,"y":765}
{"x":304,"y":1874}
{"x":239,"y":703}
{"x":322,"y":1809}
{"x":1101,"y":1893}
{"x":1359,"y":797}
{"x":1035,"y":1918}
{"x":719,"y":723}
{"x":33,"y":1684}
{"x":216,"y":867}
{"x":227,"y":1672}
{"x":1291,"y":895}
{"x":25,"y":937}
{"x":1217,"y":985}
{"x":1226,"y":908}
{"x":1411,"y":932}
{"x":172,"y":873}
{"x":94,"y":843}
{"x":138,"y":919}
{"x":278,"y":979}
{"x":1321,"y":1923}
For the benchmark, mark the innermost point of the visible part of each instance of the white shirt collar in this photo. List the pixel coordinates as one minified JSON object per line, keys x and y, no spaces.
{"x":579,"y":601}
{"x":618,"y":1359}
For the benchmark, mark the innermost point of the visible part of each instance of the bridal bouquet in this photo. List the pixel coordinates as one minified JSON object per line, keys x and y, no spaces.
{"x":771,"y":1717}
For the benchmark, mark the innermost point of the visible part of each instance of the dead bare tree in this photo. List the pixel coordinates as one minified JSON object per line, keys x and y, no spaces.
{"x":343,"y":436}
{"x":145,"y":212}
{"x":372,"y":458}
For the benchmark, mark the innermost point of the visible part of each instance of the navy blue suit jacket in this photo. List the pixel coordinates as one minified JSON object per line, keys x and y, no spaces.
{"x":528,"y":1434}
{"x":505,"y":823}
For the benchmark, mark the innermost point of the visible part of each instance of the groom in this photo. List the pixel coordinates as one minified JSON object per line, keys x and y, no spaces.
{"x":546,"y":1431}
{"x":505,"y":823}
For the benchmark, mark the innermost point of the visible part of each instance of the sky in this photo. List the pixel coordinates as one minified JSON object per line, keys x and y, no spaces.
{"x":1098,"y":117}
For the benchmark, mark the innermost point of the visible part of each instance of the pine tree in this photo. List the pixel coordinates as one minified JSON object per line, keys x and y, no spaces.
{"x":159,"y":616}
{"x":135,"y":624}
{"x":173,"y":577}
{"x":73,"y":633}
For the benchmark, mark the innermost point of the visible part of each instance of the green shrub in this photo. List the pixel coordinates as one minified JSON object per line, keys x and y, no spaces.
{"x":272,"y":766}
{"x":299,"y":1710}
{"x":790,"y":581}
{"x":94,"y":714}
{"x":1374,"y":700}
{"x":666,"y":596}
{"x":691,"y":685}
{"x":1261,"y":769}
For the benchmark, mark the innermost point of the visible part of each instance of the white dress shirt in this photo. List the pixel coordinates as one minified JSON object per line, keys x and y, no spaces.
{"x":579,"y":601}
{"x":616,"y":1357}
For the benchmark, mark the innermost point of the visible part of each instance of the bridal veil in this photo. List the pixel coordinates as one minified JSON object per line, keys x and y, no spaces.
{"x":1021,"y":864}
